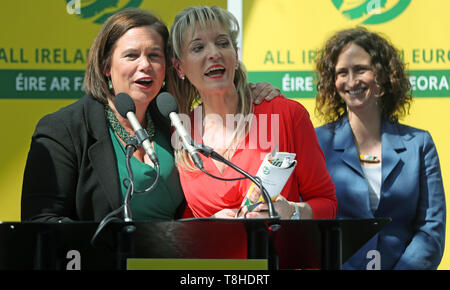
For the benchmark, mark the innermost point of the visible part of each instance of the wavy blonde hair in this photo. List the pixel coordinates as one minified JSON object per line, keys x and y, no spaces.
{"x":184,"y":92}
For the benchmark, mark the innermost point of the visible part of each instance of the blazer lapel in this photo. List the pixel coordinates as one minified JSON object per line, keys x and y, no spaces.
{"x":392,"y":145}
{"x":343,"y":142}
{"x":101,"y":153}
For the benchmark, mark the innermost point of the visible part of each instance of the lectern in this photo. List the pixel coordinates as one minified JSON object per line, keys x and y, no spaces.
{"x":286,"y":244}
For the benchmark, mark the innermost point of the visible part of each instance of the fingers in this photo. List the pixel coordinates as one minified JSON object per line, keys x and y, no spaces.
{"x":273,"y":93}
{"x":261,"y":207}
{"x":257,"y":215}
{"x":256,"y":90}
{"x":225,"y":213}
{"x":263,"y":91}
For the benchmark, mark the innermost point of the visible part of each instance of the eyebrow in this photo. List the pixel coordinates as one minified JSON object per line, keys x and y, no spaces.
{"x":132,"y":49}
{"x":199,"y":39}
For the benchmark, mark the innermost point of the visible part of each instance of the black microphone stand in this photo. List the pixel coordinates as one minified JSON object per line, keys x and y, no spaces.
{"x":131,"y":147}
{"x":124,"y":235}
{"x":209,"y":152}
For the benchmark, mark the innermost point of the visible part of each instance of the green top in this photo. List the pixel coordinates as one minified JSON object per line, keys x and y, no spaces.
{"x":162,"y":202}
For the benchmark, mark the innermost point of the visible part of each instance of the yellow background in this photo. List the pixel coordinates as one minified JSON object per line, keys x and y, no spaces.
{"x":293,"y":25}
{"x":305,"y":25}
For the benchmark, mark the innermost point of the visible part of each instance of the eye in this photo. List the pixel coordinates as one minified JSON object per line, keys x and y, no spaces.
{"x":363,"y":69}
{"x":197,"y":48}
{"x":223,"y":43}
{"x":131,"y":55}
{"x":341,"y":73}
{"x":155,"y":56}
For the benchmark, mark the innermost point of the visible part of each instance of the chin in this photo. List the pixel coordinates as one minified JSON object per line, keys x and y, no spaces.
{"x":143,"y":98}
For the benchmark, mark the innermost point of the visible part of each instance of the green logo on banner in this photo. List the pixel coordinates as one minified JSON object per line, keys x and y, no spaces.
{"x":99,"y":10}
{"x":370,"y":11}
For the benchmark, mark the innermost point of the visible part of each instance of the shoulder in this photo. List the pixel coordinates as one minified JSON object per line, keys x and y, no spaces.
{"x":329,"y":130}
{"x":411,"y":134}
{"x":282,"y":105}
{"x":69,"y":111}
{"x":72,"y":116}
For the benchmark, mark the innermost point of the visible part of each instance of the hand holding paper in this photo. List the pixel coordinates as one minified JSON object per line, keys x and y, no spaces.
{"x":274,"y":172}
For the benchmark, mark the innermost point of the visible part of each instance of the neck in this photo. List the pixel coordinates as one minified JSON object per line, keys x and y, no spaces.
{"x":140,"y":115}
{"x":366,"y":128}
{"x":218,"y":132}
{"x":220,"y":104}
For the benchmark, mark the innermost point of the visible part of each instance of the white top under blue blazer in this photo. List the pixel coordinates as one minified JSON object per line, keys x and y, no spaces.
{"x":412,"y":194}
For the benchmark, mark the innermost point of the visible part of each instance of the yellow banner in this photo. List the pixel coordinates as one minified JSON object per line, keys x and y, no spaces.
{"x":44,"y":45}
{"x":281,"y":46}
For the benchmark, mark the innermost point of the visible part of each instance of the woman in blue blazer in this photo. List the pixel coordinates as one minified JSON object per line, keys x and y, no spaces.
{"x":380,"y":167}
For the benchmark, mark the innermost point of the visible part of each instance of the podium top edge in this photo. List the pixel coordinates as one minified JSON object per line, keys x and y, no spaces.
{"x":381,"y":220}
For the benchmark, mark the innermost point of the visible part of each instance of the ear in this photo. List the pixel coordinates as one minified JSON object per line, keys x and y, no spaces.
{"x":107,"y":71}
{"x":380,"y":92}
{"x":177,"y":66}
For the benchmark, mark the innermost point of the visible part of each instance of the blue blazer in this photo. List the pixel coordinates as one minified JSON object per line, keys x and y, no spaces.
{"x":412,"y":194}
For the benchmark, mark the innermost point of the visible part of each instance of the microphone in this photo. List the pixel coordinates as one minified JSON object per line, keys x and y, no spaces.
{"x":127,"y":109}
{"x":168,"y":107}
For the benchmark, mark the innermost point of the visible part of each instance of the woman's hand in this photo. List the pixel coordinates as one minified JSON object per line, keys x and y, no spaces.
{"x":264,"y":91}
{"x":225,"y":213}
{"x":283,"y":207}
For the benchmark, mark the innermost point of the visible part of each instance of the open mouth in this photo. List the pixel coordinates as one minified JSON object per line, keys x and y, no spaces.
{"x":144,"y":82}
{"x":356,"y":92}
{"x":216,"y":71}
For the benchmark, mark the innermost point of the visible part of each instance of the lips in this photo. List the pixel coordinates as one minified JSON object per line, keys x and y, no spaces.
{"x":144,"y":82}
{"x":215,"y":71}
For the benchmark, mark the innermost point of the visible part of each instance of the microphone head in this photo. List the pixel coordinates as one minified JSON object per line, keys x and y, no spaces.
{"x":166,"y":104}
{"x":124,"y":104}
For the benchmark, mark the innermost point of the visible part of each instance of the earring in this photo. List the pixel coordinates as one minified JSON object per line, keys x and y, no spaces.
{"x":110,"y":86}
{"x":237,"y":66}
{"x":182,"y":77}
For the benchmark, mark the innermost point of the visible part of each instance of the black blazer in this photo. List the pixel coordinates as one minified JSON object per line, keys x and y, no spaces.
{"x":71,"y":171}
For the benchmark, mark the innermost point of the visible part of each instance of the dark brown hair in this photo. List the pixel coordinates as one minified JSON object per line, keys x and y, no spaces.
{"x":95,"y":81}
{"x":387,"y":63}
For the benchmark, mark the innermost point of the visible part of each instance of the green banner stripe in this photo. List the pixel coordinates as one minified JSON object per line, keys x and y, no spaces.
{"x":41,"y":84}
{"x":196,"y":264}
{"x":68,"y":84}
{"x":301,"y":84}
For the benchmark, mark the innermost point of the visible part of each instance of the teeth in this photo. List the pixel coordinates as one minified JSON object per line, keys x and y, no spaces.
{"x":144,"y":81}
{"x":214,"y":69}
{"x":356,"y":92}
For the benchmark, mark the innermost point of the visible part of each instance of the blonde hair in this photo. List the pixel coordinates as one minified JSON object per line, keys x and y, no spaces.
{"x":184,"y":92}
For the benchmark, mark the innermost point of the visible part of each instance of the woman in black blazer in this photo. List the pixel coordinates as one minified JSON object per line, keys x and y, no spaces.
{"x":73,"y":170}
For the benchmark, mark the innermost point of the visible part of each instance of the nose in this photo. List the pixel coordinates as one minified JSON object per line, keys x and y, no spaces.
{"x":213,"y":52}
{"x":145,"y":64}
{"x":352,"y":79}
